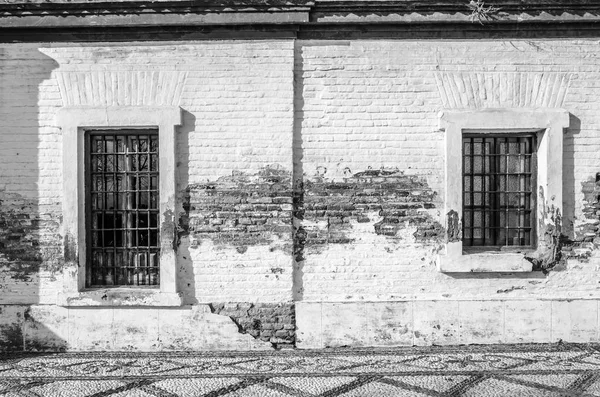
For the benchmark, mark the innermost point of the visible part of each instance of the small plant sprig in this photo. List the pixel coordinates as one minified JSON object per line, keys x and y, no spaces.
{"x":480,"y":12}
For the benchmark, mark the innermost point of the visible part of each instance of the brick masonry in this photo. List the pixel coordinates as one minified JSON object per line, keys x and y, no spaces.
{"x":306,"y":170}
{"x":387,"y":199}
{"x":241,"y":210}
{"x":269,"y":322}
{"x":29,"y":241}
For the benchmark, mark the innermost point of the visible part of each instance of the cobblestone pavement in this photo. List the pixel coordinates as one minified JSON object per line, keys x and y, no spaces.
{"x":508,"y":370}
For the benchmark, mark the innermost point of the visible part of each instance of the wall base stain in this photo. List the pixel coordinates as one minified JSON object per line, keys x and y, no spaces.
{"x":11,"y":337}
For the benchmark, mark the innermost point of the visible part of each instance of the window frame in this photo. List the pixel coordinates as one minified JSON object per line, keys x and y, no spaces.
{"x":455,"y":123}
{"x":74,"y":122}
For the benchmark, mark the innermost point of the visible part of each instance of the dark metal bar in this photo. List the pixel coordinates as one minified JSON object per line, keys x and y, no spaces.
{"x":495,"y":183}
{"x":483,"y":194}
{"x":122,"y":253}
{"x":510,"y":192}
{"x":472,"y":195}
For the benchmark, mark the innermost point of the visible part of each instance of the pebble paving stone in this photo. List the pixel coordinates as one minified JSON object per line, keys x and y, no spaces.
{"x":499,"y":370}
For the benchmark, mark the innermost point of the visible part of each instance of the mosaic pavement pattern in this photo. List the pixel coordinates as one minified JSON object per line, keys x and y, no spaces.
{"x":516,"y":370}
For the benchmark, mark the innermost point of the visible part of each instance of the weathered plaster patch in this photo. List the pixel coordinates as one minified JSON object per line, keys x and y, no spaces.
{"x":555,"y":248}
{"x":511,"y":289}
{"x":549,"y":248}
{"x":70,"y":249}
{"x":386,"y":199}
{"x":241,"y":210}
{"x":29,"y":240}
{"x":167,"y":228}
{"x":268,"y":322}
{"x":587,"y":233}
{"x":588,"y":230}
{"x":454,"y":227}
{"x":123,"y":297}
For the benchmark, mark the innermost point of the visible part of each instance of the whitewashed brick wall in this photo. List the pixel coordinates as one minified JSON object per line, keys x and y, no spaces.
{"x":372,"y":104}
{"x":355,"y":106}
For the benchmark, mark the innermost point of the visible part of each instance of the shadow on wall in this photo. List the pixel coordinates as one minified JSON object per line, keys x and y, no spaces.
{"x":31,"y":252}
{"x":569,"y":185}
{"x":299,"y":233}
{"x":186,"y":275}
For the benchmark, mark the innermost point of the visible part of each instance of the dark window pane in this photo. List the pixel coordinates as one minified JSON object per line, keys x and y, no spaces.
{"x":123,"y":239}
{"x":497,"y":190}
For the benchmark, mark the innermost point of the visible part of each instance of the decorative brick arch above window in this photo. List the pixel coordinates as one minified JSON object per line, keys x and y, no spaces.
{"x":547,"y":124}
{"x":74,"y":122}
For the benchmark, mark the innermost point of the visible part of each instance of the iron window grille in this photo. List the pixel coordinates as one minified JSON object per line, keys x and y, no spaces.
{"x":499,"y":179}
{"x":122,"y":208}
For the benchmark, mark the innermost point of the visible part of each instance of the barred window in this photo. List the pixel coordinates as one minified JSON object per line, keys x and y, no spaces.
{"x":499,"y":206}
{"x":122,"y":208}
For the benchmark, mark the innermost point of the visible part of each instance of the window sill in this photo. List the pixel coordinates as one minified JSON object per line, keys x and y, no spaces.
{"x":486,"y":262}
{"x":120,"y":297}
{"x":497,"y":250}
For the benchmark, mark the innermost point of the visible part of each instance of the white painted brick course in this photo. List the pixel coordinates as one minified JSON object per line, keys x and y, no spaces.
{"x":396,"y":83}
{"x":354,"y":105}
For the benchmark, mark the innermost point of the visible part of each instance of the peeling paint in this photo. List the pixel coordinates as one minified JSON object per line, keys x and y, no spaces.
{"x":386,"y":198}
{"x":167,"y":228}
{"x":555,"y":247}
{"x":122,"y":297}
{"x":588,"y":231}
{"x":268,"y":322}
{"x":453,"y":227}
{"x":29,"y":240}
{"x":507,"y":290}
{"x":587,"y":234}
{"x":70,"y":249}
{"x":549,"y":248}
{"x":241,"y":210}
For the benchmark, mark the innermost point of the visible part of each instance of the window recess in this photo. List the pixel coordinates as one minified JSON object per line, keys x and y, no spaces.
{"x":503,"y":180}
{"x":499,"y":201}
{"x":122,"y":208}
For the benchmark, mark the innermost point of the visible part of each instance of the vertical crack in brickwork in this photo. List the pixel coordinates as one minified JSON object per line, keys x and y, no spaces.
{"x":269,"y":322}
